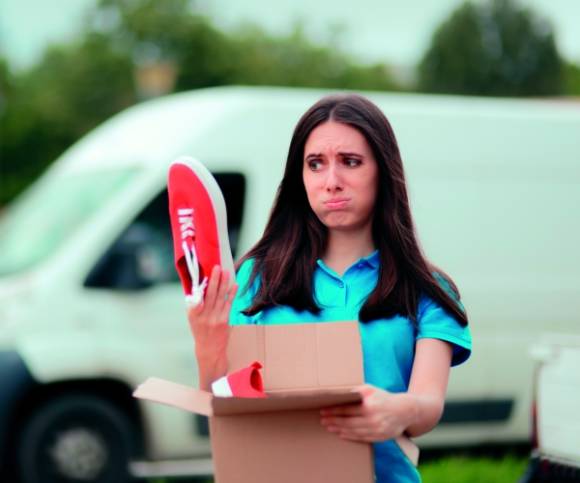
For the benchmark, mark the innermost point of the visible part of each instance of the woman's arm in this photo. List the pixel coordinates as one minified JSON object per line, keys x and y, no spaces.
{"x":209,"y":326}
{"x":383,"y":415}
{"x":428,"y":384}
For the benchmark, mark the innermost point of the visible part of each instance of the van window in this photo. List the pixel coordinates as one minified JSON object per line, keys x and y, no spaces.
{"x":150,"y":234}
{"x":47,"y":214}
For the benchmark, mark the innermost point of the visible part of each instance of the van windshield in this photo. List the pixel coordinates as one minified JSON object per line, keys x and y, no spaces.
{"x":49,"y":212}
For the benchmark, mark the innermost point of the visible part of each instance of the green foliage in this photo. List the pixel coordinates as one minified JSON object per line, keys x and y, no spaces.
{"x":5,"y":81}
{"x":169,"y":31}
{"x":572,"y":79}
{"x":294,"y":61}
{"x":71,"y":90}
{"x":75,"y":87}
{"x":463,"y":469}
{"x":494,"y":48}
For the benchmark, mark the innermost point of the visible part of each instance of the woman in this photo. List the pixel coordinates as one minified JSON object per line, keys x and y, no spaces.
{"x":340,"y":245}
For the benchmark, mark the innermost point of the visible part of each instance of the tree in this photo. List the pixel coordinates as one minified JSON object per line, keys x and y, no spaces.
{"x":494,"y":48}
{"x":293,"y":60}
{"x":168,"y":32}
{"x":572,"y":76}
{"x":171,"y":31}
{"x":72,"y":89}
{"x":77,"y":86}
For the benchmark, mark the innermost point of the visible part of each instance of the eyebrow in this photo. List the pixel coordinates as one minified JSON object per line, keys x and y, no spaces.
{"x":341,"y":153}
{"x":350,"y":155}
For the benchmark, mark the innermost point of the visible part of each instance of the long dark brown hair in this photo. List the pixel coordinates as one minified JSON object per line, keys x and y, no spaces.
{"x":294,"y":238}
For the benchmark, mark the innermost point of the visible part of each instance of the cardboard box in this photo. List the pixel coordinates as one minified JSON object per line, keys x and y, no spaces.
{"x":280,"y":438}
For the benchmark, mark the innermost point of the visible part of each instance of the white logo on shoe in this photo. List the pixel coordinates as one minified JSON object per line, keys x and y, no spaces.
{"x":185,"y":217}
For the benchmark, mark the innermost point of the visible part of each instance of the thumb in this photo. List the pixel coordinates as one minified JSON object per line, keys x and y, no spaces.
{"x":365,"y":390}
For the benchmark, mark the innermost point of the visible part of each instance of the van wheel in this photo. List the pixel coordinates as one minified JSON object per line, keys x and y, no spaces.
{"x":76,"y":439}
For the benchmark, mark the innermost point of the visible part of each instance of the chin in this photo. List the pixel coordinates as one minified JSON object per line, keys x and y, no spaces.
{"x":336,"y":220}
{"x":344,"y":222}
{"x":341,"y":226}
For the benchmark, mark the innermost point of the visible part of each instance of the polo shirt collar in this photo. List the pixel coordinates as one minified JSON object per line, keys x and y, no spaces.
{"x":371,"y":260}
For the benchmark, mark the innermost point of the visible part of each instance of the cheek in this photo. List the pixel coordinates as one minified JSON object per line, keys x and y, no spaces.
{"x":369,"y":201}
{"x":368,"y":191}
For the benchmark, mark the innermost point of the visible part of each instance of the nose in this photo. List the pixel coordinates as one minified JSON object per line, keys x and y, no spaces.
{"x":333,"y":181}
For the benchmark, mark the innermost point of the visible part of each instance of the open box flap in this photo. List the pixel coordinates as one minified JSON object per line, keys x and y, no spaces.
{"x":176,"y":395}
{"x":295,"y":400}
{"x":202,"y":402}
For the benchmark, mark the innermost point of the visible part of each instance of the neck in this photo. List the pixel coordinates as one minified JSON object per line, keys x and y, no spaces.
{"x":345,"y":247}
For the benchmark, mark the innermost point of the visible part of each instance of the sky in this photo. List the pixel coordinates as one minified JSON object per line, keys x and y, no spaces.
{"x":392,"y":31}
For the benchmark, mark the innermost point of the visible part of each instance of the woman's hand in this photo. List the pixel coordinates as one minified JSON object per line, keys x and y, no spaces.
{"x":380,"y":416}
{"x":383,"y":415}
{"x":208,"y":322}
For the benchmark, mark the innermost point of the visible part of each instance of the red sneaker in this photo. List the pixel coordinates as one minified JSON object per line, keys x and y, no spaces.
{"x":246,"y":382}
{"x":197,"y":211}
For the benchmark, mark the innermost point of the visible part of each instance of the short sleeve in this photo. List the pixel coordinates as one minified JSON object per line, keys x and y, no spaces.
{"x":244,"y":295}
{"x":436,"y":323}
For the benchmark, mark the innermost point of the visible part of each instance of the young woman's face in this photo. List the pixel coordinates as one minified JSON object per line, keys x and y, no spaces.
{"x":340,"y":175}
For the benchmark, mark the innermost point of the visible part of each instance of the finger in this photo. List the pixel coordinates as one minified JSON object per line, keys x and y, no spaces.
{"x":354,"y":435}
{"x":225,"y":314}
{"x":347,"y":422}
{"x":194,"y":311}
{"x":358,"y":438}
{"x":358,"y":431}
{"x":347,"y":410}
{"x":229,"y":277}
{"x":212,"y":287}
{"x":222,"y":292}
{"x":365,"y":390}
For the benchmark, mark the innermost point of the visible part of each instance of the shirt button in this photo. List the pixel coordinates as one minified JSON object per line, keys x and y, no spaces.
{"x":341,"y":284}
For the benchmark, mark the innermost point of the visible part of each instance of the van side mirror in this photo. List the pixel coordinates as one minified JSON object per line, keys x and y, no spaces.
{"x":128,"y":264}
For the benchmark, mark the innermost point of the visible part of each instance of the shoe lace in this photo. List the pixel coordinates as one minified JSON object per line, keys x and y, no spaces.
{"x":197,"y":288}
{"x":188,"y":232}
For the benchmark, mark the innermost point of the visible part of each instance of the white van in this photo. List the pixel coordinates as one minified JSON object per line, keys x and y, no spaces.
{"x":555,"y":410}
{"x":90,"y":303}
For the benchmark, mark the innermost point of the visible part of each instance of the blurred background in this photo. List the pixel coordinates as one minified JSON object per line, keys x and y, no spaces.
{"x":68,"y":65}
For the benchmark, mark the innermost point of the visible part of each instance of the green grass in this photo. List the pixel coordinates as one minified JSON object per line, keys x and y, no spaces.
{"x":462,"y":468}
{"x":473,"y":469}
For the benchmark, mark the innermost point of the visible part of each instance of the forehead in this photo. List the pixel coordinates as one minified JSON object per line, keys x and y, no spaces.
{"x":335,"y":136}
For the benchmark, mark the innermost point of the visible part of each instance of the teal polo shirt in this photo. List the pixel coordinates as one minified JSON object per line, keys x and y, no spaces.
{"x":388,"y":345}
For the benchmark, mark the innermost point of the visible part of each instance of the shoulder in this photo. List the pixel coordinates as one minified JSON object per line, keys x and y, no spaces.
{"x":244,"y":270}
{"x":444,"y":283}
{"x":245,"y":293}
{"x":247,"y":290}
{"x":433,"y":321}
{"x":244,"y":276}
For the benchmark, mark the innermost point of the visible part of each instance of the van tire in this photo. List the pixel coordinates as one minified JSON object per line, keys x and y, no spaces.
{"x":76,"y":438}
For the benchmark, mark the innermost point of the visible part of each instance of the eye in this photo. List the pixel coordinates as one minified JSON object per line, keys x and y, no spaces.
{"x":314,"y":164}
{"x":352,"y":162}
